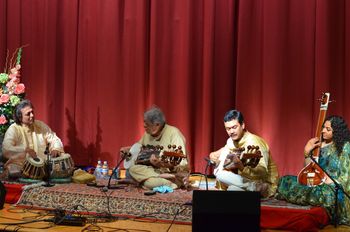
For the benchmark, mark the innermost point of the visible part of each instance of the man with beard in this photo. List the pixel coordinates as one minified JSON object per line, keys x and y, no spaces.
{"x":238,"y":176}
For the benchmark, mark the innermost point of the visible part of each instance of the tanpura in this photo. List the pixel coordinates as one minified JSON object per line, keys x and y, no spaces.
{"x":312,"y":174}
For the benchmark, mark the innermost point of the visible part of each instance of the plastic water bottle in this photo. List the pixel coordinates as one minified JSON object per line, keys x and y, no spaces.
{"x":98,"y":170}
{"x":105,"y":169}
{"x":116,"y":174}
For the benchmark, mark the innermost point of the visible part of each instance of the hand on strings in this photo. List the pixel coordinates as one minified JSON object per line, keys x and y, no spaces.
{"x":155,"y":161}
{"x":214,"y":156}
{"x":312,"y":144}
{"x":237,"y":163}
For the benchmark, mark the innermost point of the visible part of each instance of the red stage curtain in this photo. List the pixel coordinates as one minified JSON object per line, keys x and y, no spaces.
{"x":92,"y":68}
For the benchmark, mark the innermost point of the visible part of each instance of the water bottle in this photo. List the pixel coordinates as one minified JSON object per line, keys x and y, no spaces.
{"x":98,"y":170}
{"x":116,"y":174}
{"x":105,"y":169}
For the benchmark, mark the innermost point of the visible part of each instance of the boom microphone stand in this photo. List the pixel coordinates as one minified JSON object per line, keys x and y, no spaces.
{"x":48,"y":167}
{"x":113,"y":172}
{"x":209,"y":163}
{"x":337,"y":187}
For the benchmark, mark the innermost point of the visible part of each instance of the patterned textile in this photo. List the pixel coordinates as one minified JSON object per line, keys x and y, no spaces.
{"x":274,"y":203}
{"x":129,"y":202}
{"x":322,"y":195}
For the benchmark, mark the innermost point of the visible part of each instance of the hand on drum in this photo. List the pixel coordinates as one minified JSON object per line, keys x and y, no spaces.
{"x":31,"y":153}
{"x":55,"y":153}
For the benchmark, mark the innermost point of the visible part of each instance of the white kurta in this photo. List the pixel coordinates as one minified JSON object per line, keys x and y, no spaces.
{"x":19,"y":137}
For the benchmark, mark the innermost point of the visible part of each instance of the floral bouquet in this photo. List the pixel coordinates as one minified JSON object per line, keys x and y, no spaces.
{"x":11,"y":90}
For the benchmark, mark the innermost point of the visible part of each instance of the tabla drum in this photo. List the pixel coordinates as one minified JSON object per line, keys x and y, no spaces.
{"x":62,"y":166}
{"x":33,"y":168}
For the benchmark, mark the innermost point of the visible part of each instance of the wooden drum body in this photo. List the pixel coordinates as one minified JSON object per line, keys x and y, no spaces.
{"x":62,"y":166}
{"x":33,"y":168}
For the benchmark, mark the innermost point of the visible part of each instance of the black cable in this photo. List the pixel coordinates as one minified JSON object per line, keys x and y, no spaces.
{"x":20,"y":223}
{"x":113,"y":172}
{"x":177,"y":213}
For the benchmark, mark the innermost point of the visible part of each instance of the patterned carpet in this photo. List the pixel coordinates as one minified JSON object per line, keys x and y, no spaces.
{"x":272,"y":202}
{"x":132,"y":203}
{"x":129,"y":202}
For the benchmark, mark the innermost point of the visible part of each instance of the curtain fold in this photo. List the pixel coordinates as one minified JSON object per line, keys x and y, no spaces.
{"x":93,"y":67}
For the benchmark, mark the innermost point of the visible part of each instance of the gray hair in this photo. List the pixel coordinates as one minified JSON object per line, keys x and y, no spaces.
{"x":154,"y":115}
{"x":17,"y":114}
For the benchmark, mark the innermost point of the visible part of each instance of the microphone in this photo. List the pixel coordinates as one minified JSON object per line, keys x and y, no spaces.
{"x":209,"y":161}
{"x":47,"y":149}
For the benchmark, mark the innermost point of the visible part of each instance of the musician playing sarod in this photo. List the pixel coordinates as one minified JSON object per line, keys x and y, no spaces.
{"x":159,"y":133}
{"x":263,"y":177}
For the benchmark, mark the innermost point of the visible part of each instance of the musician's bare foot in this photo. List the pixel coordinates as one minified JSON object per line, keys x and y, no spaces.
{"x":263,"y":188}
{"x":167,"y":176}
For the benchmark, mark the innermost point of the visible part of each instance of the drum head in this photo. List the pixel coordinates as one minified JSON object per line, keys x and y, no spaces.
{"x":37,"y":162}
{"x":134,"y":151}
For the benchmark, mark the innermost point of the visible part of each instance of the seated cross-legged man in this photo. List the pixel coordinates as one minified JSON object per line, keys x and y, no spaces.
{"x":29,"y":140}
{"x":148,"y":160}
{"x":244,"y":163}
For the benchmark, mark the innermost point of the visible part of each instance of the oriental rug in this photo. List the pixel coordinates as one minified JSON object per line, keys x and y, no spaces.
{"x":131,"y":202}
{"x":127,"y":202}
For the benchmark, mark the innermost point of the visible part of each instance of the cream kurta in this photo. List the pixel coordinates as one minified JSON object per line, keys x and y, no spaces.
{"x":265,"y":171}
{"x":148,"y":174}
{"x":18,"y":138}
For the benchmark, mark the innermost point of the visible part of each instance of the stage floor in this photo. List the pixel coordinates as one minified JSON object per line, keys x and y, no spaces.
{"x":13,"y":214}
{"x":159,"y":208}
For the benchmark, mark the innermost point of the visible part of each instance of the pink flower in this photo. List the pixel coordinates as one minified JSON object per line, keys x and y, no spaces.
{"x":20,"y":88}
{"x":14,"y":71}
{"x":15,"y":80}
{"x":11,"y":76}
{"x":4,"y":98}
{"x":18,"y":66}
{"x":9,"y":85}
{"x":3,"y":120}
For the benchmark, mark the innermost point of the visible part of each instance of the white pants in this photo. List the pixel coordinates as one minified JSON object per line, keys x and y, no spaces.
{"x":235,"y":182}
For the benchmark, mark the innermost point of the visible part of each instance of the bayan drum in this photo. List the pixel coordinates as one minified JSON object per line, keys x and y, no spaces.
{"x":33,"y":168}
{"x":62,"y":166}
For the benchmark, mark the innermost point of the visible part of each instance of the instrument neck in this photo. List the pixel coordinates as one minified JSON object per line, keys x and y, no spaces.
{"x":321,"y":118}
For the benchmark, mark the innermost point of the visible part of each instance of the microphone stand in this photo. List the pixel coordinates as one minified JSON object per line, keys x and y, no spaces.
{"x":48,"y":167}
{"x":113,"y":172}
{"x":337,"y":187}
{"x":209,"y":163}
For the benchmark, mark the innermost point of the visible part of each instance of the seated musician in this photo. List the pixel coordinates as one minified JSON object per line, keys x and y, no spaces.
{"x":263,"y":176}
{"x":159,"y":173}
{"x":334,"y":158}
{"x":27,"y":137}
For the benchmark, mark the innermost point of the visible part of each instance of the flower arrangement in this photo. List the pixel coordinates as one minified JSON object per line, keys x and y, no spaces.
{"x":11,"y":90}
